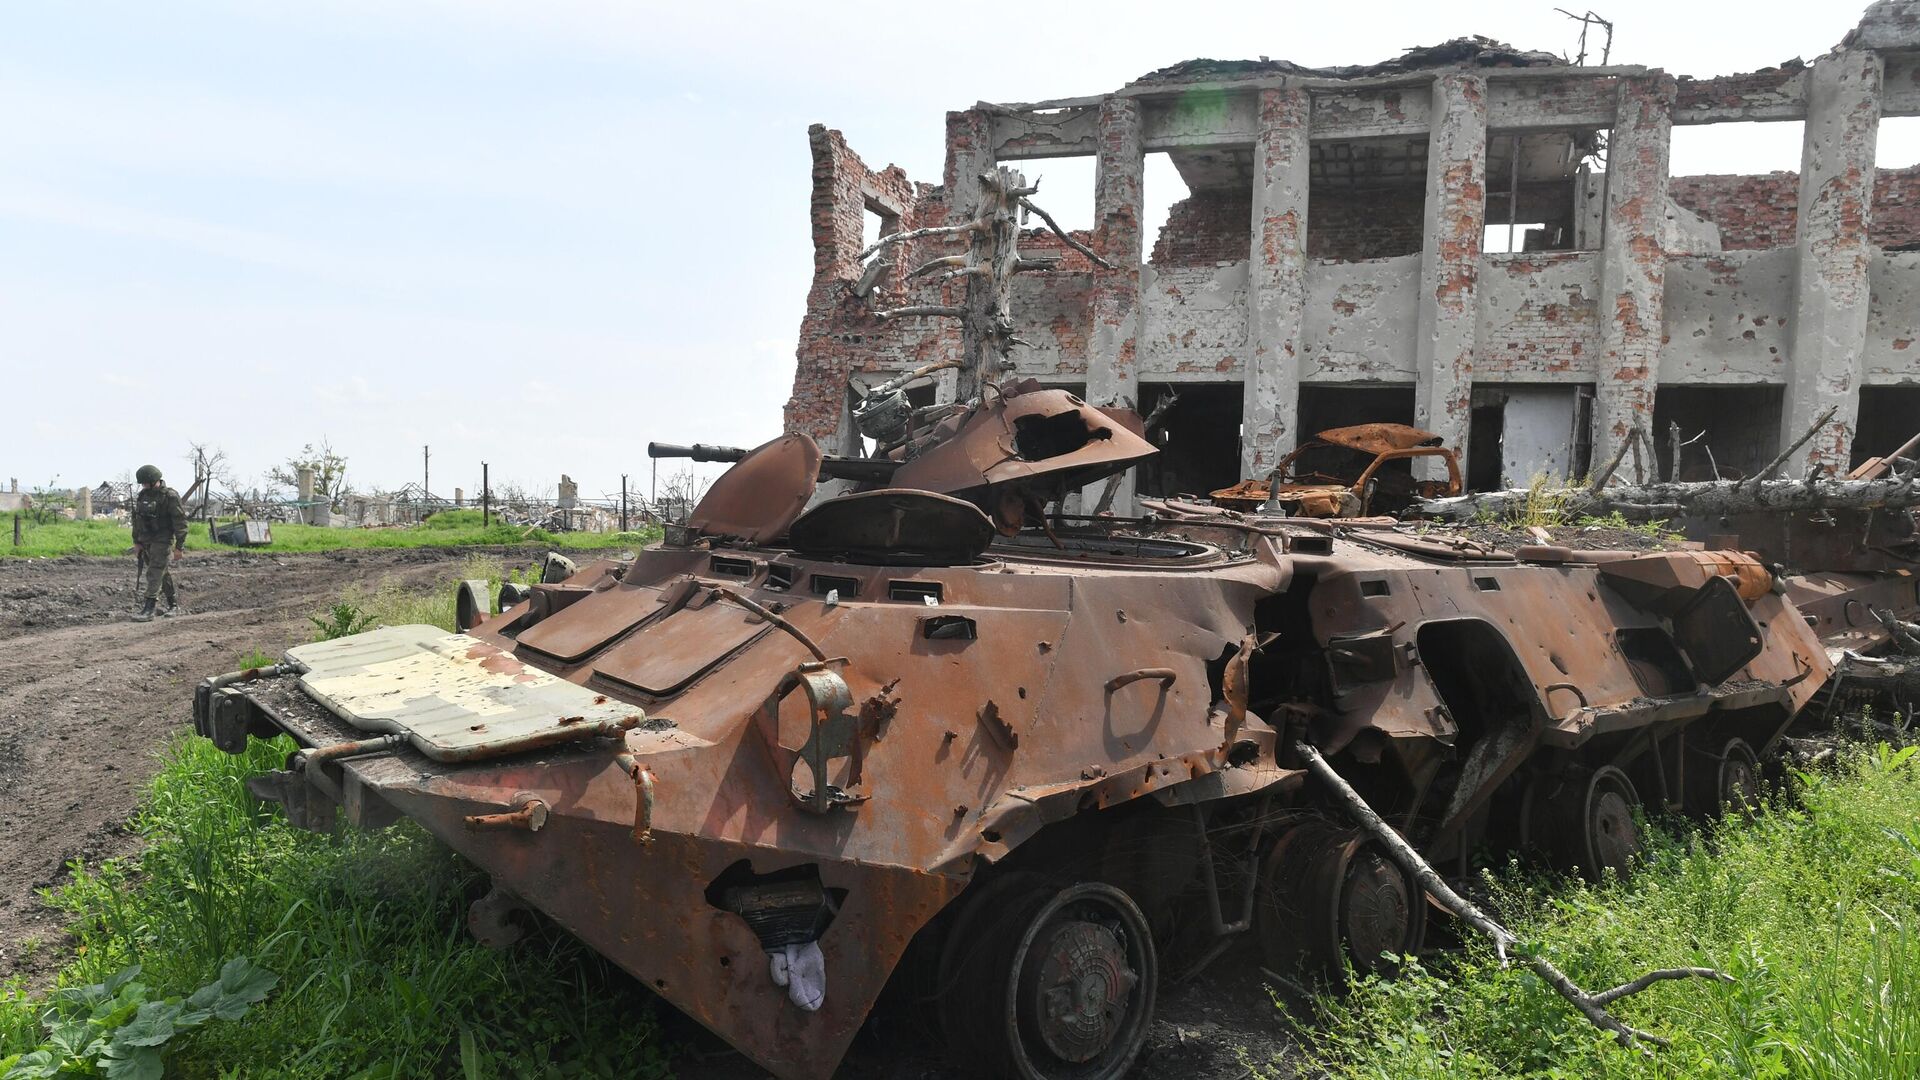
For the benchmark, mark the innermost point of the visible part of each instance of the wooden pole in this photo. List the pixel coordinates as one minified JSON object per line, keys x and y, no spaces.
{"x":623,"y":502}
{"x":486,"y":498}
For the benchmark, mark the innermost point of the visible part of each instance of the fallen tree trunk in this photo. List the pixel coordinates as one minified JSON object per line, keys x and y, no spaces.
{"x":1590,"y":1005}
{"x":1707,"y":498}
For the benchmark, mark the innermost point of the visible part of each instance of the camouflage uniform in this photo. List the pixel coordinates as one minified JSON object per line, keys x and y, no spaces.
{"x":159,"y":524}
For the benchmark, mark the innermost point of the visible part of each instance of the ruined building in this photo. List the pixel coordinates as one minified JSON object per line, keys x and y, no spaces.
{"x":1330,"y":264}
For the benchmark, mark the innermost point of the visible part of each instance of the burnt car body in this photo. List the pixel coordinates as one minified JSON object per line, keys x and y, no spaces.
{"x":791,"y":759}
{"x":1345,"y":472}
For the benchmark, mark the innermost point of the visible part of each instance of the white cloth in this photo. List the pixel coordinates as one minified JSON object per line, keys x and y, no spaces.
{"x":802,"y":969}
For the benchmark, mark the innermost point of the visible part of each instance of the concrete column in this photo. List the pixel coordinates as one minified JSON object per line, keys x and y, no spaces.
{"x":1450,"y":262}
{"x":1633,"y":266}
{"x":1113,"y":345}
{"x":308,"y":512}
{"x":1830,"y":280}
{"x":569,"y":493}
{"x":459,"y":497}
{"x":83,"y":504}
{"x":1277,"y":281}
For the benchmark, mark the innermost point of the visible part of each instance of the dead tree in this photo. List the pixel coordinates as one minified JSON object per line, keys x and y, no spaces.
{"x":988,"y":266}
{"x":1591,"y":1005}
{"x":1893,"y":483}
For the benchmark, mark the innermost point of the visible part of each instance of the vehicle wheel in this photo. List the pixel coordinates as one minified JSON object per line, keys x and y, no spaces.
{"x":1333,"y":897}
{"x":1060,"y":988}
{"x":1729,"y":776}
{"x":1583,"y":819}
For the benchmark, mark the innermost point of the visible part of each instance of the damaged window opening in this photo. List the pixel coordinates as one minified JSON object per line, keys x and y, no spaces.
{"x":1741,"y":426}
{"x":1538,"y":185}
{"x":1366,"y":199}
{"x":1889,"y":416}
{"x":1196,"y":206}
{"x":1519,"y":433}
{"x":1067,"y":189}
{"x":1333,"y":405}
{"x":1200,"y":440}
{"x":1733,"y":187}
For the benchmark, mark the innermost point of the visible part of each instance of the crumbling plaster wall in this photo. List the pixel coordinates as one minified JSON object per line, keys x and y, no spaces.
{"x":1892,"y":355}
{"x":1539,"y":317}
{"x":1359,"y":320}
{"x":1196,"y":322}
{"x":1726,"y":317}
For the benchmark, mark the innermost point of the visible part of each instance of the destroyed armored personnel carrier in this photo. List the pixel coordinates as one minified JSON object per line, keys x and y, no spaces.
{"x":923,"y":741}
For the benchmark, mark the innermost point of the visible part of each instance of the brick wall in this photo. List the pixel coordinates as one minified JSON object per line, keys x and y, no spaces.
{"x":1216,"y":226}
{"x":1207,"y":227}
{"x":1354,"y":225}
{"x":1759,"y":211}
{"x":838,"y":333}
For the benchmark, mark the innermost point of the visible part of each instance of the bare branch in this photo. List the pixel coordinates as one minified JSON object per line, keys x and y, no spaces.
{"x":920,"y":309}
{"x":962,"y":229}
{"x":1606,"y":474}
{"x":1606,"y":997}
{"x":935,"y":264}
{"x":1021,"y":266}
{"x":1772,"y":466}
{"x":1066,"y":237}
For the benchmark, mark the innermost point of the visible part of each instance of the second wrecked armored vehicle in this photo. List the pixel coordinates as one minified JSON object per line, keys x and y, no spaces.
{"x":919,"y":740}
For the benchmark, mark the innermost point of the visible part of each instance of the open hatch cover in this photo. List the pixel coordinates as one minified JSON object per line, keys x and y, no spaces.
{"x":760,"y":496}
{"x":894,"y":525}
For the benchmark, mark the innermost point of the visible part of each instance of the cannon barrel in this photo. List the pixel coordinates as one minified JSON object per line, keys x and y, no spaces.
{"x":864,"y":470}
{"x":698,"y":451}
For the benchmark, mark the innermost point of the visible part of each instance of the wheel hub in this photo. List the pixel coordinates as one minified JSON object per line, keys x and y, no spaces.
{"x":1082,"y":987}
{"x":1615,"y":839}
{"x":1375,"y":914}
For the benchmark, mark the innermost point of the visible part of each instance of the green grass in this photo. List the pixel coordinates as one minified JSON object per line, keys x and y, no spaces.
{"x":461,"y":528}
{"x":1813,"y":907}
{"x":366,"y":933}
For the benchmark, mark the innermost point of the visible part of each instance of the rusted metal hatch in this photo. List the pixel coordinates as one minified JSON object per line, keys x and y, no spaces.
{"x":760,"y":496}
{"x":591,"y":622}
{"x":667,"y":655}
{"x":452,"y":697}
{"x":1030,"y":432}
{"x":894,"y":525}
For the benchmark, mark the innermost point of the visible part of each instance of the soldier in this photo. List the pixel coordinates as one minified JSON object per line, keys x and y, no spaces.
{"x":160,"y":535}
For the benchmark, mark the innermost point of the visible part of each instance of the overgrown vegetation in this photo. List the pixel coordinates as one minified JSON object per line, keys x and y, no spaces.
{"x":116,"y":1030}
{"x":1546,"y":505}
{"x":1813,"y":906}
{"x":366,"y":932}
{"x":461,"y":528}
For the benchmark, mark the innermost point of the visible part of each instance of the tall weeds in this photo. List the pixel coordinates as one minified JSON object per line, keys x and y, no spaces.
{"x":1812,"y":906}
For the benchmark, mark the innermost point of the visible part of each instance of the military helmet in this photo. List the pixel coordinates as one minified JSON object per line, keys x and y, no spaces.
{"x":148,"y":474}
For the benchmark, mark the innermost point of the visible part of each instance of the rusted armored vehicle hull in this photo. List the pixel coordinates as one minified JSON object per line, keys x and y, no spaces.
{"x":929,"y":740}
{"x":912,"y":764}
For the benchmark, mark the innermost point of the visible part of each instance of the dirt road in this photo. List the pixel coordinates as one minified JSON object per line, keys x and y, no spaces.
{"x":88,"y":697}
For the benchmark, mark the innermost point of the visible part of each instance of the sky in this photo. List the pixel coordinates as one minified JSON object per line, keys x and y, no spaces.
{"x":542,"y":234}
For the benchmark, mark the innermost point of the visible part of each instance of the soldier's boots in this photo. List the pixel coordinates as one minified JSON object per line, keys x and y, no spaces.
{"x":146,"y":613}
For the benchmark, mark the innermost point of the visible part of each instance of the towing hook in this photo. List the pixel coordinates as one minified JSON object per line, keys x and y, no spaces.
{"x":529,"y":813}
{"x":643,"y":781}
